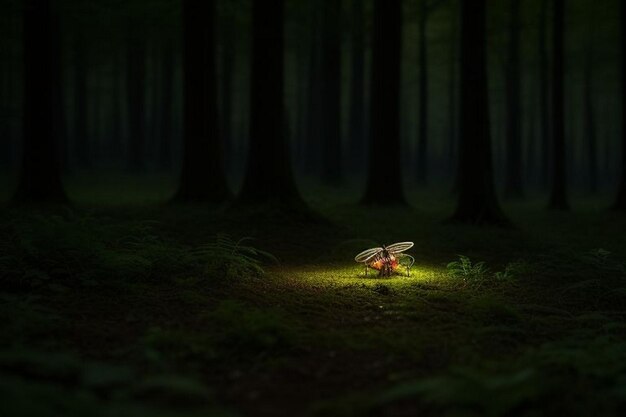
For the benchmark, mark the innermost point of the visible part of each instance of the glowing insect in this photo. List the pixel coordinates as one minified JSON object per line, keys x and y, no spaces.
{"x":388,"y":259}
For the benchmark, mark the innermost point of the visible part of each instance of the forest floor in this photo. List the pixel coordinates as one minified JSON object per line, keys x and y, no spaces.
{"x":151,"y":310}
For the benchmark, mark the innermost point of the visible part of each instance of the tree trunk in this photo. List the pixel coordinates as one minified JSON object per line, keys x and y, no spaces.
{"x":544,"y":100}
{"x":477,"y":202}
{"x":331,"y":92}
{"x":81,"y":71}
{"x":314,"y":131}
{"x":135,"y":89}
{"x":269,"y":176}
{"x":40,"y":175}
{"x":558,"y":195}
{"x":531,"y":151}
{"x":513,"y":186}
{"x":202,"y":177}
{"x":357,"y":84}
{"x":452,"y":103}
{"x":227,"y":82}
{"x":422,"y":135}
{"x":620,"y":201}
{"x":117,"y":142}
{"x":153,"y":138}
{"x":384,"y":174}
{"x":589,"y":120}
{"x":166,"y":113}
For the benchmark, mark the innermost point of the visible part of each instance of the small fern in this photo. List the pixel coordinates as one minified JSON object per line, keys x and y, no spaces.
{"x":230,"y":258}
{"x":468,"y":271}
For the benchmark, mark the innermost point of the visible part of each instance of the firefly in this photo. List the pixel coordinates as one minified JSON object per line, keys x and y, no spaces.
{"x":387,"y":259}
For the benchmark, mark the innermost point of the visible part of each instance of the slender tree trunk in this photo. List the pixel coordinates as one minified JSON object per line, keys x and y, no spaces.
{"x":40,"y":175}
{"x":531,"y":151}
{"x":544,"y":99}
{"x":513,"y":187}
{"x":357,"y":84}
{"x":314,"y":131}
{"x":477,"y":202}
{"x":303,"y":63}
{"x":166,"y":111}
{"x":135,"y":89}
{"x":331,"y":92}
{"x":558,"y":195}
{"x":154,"y":135}
{"x":589,"y":120}
{"x":269,"y":177}
{"x":620,"y":201}
{"x":202,"y":178}
{"x":228,"y":66}
{"x":117,"y":142}
{"x":6,"y":98}
{"x":81,"y":71}
{"x":96,"y":136}
{"x":452,"y":99}
{"x":384,"y":175}
{"x":423,"y":115}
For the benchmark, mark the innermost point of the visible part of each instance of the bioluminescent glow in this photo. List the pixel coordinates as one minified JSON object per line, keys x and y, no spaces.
{"x":387,"y":259}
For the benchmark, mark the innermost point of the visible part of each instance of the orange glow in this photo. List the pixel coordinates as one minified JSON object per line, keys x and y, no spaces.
{"x":378,"y":265}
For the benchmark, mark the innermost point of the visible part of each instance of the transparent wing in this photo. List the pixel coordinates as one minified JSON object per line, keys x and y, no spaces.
{"x":367,"y":255}
{"x":399,"y":247}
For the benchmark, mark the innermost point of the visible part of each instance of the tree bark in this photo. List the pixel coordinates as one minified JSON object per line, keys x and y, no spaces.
{"x":453,"y":133}
{"x":513,"y":186}
{"x":477,"y":202}
{"x":40,"y":175}
{"x":227,"y":82}
{"x":589,"y":120}
{"x":423,"y":113}
{"x":331,"y":92}
{"x":166,"y":111}
{"x":384,"y":175}
{"x":314,"y":131}
{"x":558,"y":195}
{"x":620,"y":201}
{"x":81,"y":71}
{"x":269,"y":178}
{"x":135,"y":89}
{"x":117,"y":140}
{"x":357,"y":84}
{"x":202,"y":177}
{"x":544,"y":100}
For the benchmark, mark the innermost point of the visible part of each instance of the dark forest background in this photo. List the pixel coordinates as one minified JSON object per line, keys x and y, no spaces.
{"x":117,"y":71}
{"x":184,"y":185}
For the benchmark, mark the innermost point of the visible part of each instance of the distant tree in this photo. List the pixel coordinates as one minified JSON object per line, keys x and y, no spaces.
{"x":268,"y":178}
{"x":620,"y":202}
{"x":81,"y":71}
{"x":330,"y":87}
{"x":202,"y":178}
{"x":357,"y":80}
{"x":426,"y":8}
{"x":477,"y":202}
{"x":558,"y":195}
{"x":136,"y":90}
{"x":544,"y":94}
{"x":40,"y":174}
{"x":513,"y":184}
{"x":453,"y":70}
{"x":384,"y":172}
{"x":314,"y":103}
{"x":589,"y":122}
{"x":117,"y":126}
{"x":227,"y":79}
{"x":166,"y":112}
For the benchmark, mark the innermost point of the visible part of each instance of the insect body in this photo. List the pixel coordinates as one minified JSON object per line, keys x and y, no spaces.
{"x":387,"y":259}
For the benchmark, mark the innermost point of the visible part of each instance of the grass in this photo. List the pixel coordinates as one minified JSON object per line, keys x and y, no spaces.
{"x":152,"y":310}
